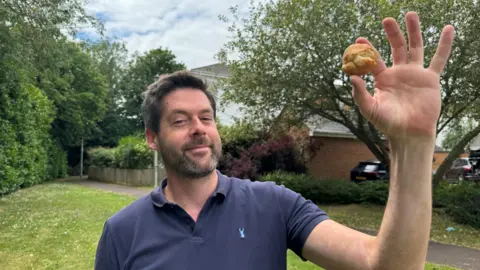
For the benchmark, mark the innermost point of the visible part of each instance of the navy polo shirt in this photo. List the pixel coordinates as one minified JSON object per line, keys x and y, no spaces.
{"x":243,"y":225}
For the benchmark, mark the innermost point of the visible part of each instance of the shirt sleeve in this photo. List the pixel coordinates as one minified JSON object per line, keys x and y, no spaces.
{"x":106,"y":256}
{"x":300,"y":216}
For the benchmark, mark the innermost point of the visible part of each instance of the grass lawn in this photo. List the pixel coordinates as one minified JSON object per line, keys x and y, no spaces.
{"x":370,"y":218}
{"x":57,"y":226}
{"x":54,"y":226}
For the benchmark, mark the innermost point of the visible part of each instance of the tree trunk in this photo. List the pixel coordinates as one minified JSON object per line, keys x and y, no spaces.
{"x":454,"y":154}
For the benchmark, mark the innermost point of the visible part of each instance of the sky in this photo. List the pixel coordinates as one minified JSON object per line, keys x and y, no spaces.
{"x":190,"y":29}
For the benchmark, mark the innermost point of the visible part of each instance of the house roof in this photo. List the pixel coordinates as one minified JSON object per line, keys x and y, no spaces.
{"x":216,"y":70}
{"x":322,"y":127}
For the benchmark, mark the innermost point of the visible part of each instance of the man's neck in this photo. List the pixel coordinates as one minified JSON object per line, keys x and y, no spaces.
{"x":190,"y":194}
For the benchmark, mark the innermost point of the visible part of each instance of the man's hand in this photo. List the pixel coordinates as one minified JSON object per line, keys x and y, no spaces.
{"x":407,"y":96}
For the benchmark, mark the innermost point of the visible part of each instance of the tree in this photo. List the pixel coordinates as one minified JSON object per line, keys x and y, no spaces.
{"x":78,"y":90}
{"x":25,"y":118}
{"x":458,"y":129}
{"x":56,"y":65}
{"x":289,"y":59}
{"x":111,"y":57}
{"x":141,"y":72}
{"x":458,"y":139}
{"x":51,"y":92}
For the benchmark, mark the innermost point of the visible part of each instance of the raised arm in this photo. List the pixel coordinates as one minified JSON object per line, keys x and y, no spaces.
{"x":405,"y":108}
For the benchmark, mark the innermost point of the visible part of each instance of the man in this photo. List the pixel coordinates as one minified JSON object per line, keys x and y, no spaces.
{"x":202,"y":219}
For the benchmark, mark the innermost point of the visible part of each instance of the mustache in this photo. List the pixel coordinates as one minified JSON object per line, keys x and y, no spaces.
{"x":196,"y":142}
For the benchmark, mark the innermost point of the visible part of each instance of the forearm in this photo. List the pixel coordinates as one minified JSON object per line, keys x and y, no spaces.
{"x":402,"y":241}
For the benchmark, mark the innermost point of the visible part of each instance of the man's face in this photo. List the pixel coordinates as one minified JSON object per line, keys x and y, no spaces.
{"x":188,"y":140}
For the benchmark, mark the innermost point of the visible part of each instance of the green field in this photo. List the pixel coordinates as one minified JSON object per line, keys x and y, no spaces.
{"x":370,"y":218}
{"x":57,"y":226}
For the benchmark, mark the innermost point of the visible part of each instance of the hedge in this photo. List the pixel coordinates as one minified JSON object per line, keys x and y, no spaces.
{"x":461,"y":202}
{"x":132,"y":152}
{"x":331,"y":191}
{"x":26,"y":115}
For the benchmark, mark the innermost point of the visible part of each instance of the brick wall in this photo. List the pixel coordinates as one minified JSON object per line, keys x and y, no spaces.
{"x":337,"y":156}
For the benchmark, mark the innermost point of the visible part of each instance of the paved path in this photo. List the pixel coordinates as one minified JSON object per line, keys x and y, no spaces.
{"x":134,"y":191}
{"x":459,"y":257}
{"x":463,"y":258}
{"x":455,"y":256}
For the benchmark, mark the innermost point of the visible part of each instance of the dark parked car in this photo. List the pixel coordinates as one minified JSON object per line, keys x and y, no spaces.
{"x":461,"y":169}
{"x":370,"y":170}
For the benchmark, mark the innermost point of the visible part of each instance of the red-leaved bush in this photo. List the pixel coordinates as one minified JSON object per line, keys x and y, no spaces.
{"x":281,"y":153}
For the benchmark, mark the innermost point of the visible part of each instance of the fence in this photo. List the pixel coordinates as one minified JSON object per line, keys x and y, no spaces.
{"x":128,"y":177}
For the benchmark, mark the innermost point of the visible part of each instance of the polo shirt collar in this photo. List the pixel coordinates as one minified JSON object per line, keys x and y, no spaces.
{"x":158,"y":197}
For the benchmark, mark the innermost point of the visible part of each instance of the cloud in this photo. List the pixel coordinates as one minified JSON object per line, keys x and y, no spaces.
{"x":190,"y":29}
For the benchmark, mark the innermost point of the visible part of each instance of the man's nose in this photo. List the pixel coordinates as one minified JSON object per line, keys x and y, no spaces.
{"x":197,"y":127}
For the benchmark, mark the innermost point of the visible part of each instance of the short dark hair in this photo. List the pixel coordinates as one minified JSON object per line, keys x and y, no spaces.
{"x":157,"y":91}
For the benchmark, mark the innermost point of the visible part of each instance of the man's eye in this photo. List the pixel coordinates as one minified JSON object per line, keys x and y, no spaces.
{"x":206,"y":118}
{"x":179,"y":122}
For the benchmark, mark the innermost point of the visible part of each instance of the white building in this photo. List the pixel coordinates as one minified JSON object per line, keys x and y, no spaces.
{"x":214,"y":74}
{"x":475,"y":144}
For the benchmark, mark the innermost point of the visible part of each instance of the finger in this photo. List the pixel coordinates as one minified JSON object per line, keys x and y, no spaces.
{"x":362,"y":97}
{"x":444,"y":48}
{"x":397,"y":41}
{"x":380,"y":64}
{"x":415,"y":40}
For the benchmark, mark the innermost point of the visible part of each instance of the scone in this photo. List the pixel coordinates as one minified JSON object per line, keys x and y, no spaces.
{"x":359,"y":59}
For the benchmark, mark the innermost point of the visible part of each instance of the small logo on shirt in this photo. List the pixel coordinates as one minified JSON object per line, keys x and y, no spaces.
{"x":242,"y":232}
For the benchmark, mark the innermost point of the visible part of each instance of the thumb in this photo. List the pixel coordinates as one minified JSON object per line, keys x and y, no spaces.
{"x":362,"y":97}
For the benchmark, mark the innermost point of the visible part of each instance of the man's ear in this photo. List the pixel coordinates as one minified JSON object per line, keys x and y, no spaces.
{"x":151,"y":139}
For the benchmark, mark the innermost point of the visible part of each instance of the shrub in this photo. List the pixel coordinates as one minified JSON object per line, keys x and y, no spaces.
{"x":331,"y":191}
{"x":462,"y":203}
{"x":250,"y":152}
{"x":239,"y":137}
{"x":300,"y":183}
{"x":374,"y":192}
{"x":277,"y":154}
{"x":132,"y":139}
{"x":440,"y":194}
{"x":132,"y":153}
{"x":25,"y":118}
{"x":242,"y":167}
{"x":102,"y":157}
{"x":261,"y":158}
{"x":326,"y":191}
{"x":57,"y":162}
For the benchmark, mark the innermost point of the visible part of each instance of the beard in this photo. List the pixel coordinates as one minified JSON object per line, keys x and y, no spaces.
{"x":186,"y":167}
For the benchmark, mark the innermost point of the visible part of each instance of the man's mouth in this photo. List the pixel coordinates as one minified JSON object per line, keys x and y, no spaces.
{"x":198,"y":149}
